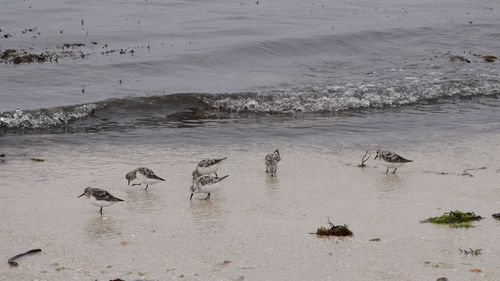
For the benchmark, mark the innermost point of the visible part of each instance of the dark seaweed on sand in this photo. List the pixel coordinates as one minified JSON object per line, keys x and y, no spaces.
{"x":333,"y":230}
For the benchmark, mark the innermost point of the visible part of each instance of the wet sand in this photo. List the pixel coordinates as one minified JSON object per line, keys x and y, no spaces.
{"x":254,"y":227}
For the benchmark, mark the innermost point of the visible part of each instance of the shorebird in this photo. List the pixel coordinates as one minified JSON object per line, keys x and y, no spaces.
{"x":271,"y":162}
{"x":205,"y":184}
{"x":391,"y":160}
{"x":144,"y":175}
{"x":207,"y":167}
{"x":99,"y":197}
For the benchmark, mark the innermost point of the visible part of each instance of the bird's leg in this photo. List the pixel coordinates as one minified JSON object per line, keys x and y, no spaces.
{"x":394,"y":170}
{"x":100,"y":211}
{"x":216,"y":174}
{"x":208,"y":196}
{"x":191,"y":197}
{"x":146,"y":187}
{"x":386,"y":171}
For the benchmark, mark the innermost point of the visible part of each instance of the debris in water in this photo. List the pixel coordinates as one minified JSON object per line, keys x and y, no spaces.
{"x":364,"y":159}
{"x":442,"y":279}
{"x":455,"y":219}
{"x":477,"y":270}
{"x":438,"y":264}
{"x":458,"y":59}
{"x":37,"y":160}
{"x":334,"y":230}
{"x":489,"y":58}
{"x":466,"y":171}
{"x":374,"y":240}
{"x":12,"y":260}
{"x":496,"y":216}
{"x":224,"y":263}
{"x":471,"y":251}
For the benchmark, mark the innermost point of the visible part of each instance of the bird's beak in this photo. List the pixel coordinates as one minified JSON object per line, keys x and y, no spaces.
{"x":81,"y":195}
{"x":376,"y":156}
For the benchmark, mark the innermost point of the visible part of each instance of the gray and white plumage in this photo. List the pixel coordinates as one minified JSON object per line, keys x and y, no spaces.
{"x":271,"y":161}
{"x":208,"y":166}
{"x":144,"y":175}
{"x":391,"y":159}
{"x":205,"y":184}
{"x":99,"y":197}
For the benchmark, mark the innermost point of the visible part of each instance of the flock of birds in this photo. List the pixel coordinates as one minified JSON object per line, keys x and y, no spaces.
{"x":204,"y":182}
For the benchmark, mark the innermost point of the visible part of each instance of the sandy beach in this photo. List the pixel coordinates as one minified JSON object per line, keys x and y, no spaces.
{"x":254,"y":227}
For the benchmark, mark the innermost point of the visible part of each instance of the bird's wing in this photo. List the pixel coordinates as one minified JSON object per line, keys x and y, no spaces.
{"x":394,"y":157}
{"x":100,"y":194}
{"x":149,"y":173}
{"x":210,"y":162}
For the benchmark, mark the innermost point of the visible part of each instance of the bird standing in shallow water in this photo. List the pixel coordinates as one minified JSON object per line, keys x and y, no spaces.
{"x":207,"y":167}
{"x":99,"y":197}
{"x":144,"y":175}
{"x":271,"y":162}
{"x":391,"y":160}
{"x":205,"y":184}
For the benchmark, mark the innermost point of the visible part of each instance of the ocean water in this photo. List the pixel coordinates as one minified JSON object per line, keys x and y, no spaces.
{"x":237,"y":71}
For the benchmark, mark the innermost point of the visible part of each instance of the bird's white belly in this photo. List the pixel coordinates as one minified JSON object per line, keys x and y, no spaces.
{"x":146,"y":180}
{"x":100,"y":203}
{"x":392,"y":165}
{"x":209,"y":170}
{"x":208,"y":188}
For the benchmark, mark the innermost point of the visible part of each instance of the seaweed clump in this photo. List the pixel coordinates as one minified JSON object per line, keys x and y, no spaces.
{"x":489,"y":58}
{"x":333,"y":230}
{"x":455,"y":219}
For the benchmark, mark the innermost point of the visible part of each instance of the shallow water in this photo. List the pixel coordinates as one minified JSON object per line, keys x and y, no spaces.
{"x":260,"y":225}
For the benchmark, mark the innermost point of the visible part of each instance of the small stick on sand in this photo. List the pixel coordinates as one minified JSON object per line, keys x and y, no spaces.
{"x":466,"y":171}
{"x":12,"y":260}
{"x":364,"y":159}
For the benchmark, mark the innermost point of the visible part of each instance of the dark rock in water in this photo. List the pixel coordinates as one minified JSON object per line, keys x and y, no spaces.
{"x":496,"y":216}
{"x":2,"y":155}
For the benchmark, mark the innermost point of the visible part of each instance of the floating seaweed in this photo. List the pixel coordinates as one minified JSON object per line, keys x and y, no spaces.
{"x":455,"y":219}
{"x":489,"y":58}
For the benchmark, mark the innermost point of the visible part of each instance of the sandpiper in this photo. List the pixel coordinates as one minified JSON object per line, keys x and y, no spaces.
{"x":271,"y":162}
{"x":207,"y":167}
{"x":99,"y":197}
{"x":391,"y":160}
{"x":144,"y":175}
{"x":205,"y":184}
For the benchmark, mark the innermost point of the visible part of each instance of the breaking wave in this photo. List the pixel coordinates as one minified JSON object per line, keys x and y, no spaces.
{"x":324,"y":99}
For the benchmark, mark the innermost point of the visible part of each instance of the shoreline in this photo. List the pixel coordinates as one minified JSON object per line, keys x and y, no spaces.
{"x":252,"y":219}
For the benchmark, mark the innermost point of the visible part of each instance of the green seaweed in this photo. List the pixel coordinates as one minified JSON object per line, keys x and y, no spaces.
{"x":456,"y":219}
